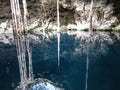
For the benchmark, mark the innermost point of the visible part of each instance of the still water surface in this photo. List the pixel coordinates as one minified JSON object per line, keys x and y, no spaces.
{"x":102,"y":51}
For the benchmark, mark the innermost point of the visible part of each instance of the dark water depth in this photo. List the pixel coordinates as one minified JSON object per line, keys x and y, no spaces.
{"x":102,"y":51}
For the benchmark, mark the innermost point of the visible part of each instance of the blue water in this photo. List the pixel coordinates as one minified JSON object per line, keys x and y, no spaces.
{"x":104,"y":62}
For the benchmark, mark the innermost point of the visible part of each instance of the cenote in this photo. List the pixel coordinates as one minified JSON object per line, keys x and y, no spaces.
{"x":86,"y":63}
{"x":59,"y":45}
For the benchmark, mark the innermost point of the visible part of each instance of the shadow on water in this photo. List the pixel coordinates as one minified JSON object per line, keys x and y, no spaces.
{"x":78,"y":52}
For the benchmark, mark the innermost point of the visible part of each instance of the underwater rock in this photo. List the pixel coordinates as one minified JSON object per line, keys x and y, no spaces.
{"x":39,"y":84}
{"x":44,"y":86}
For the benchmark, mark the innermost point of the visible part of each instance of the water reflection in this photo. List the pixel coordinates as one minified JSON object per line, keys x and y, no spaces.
{"x":24,"y":52}
{"x":22,"y":45}
{"x":79,"y":54}
{"x":29,"y":51}
{"x":87,"y":65}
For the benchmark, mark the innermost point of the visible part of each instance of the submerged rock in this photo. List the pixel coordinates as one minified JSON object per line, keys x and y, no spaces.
{"x":39,"y":84}
{"x":44,"y":86}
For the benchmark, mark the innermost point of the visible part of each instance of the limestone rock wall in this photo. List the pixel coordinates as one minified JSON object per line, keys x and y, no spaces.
{"x":106,"y":14}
